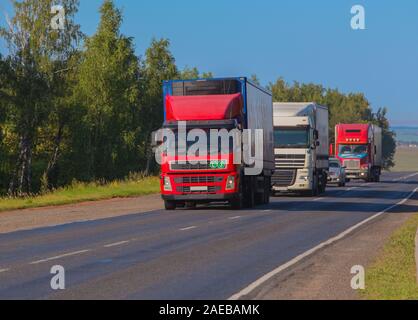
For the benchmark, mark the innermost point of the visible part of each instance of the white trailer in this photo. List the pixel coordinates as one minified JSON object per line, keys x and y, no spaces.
{"x":301,"y":137}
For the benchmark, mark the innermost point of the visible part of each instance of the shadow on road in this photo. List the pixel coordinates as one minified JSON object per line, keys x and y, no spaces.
{"x":344,"y":206}
{"x":409,"y":182}
{"x":371,"y":194}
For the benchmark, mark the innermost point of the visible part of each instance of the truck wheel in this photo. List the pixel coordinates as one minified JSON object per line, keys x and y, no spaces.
{"x":180,"y":204}
{"x":267,"y":190}
{"x":315,"y":186}
{"x":237,"y":203}
{"x":169,"y":205}
{"x":324,"y":182}
{"x":323,"y":187}
{"x":250,"y":197}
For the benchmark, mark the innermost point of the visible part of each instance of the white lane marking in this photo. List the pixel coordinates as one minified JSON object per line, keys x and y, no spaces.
{"x":4,"y":270}
{"x":405,"y":177}
{"x":317,"y":199}
{"x":188,"y":228}
{"x":116,"y":244}
{"x":60,"y":256}
{"x":297,"y":259}
{"x":268,"y":210}
{"x":235,"y":218}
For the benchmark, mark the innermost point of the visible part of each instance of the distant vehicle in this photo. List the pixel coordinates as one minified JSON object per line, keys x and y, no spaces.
{"x":301,"y":142}
{"x":359,"y":148}
{"x":336,"y":173}
{"x":218,"y":104}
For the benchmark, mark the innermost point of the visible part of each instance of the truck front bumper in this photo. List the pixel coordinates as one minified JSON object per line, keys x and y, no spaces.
{"x":302,"y":181}
{"x":201,"y":197}
{"x":357,"y":174}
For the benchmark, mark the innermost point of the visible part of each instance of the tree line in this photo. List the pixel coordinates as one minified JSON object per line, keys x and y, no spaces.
{"x":77,"y":107}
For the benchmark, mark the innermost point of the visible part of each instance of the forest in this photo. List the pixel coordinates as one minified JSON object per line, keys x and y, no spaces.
{"x":82,"y":108}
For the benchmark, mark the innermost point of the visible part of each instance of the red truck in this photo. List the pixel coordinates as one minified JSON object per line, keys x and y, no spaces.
{"x":231,"y":104}
{"x":359,"y":148}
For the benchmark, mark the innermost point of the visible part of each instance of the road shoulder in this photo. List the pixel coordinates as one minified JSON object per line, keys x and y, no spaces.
{"x":327,"y":274}
{"x":26,"y":219}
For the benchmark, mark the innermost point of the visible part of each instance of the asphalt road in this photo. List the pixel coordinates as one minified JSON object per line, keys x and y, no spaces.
{"x":208,"y":253}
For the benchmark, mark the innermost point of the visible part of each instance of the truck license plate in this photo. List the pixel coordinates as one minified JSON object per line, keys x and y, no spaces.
{"x":199,"y":189}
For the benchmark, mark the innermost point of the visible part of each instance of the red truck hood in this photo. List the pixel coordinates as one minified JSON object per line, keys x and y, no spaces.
{"x":211,"y":107}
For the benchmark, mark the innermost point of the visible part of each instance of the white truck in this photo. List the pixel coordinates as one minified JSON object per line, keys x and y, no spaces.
{"x":301,"y":148}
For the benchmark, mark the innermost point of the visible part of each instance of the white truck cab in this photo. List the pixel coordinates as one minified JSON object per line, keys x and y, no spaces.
{"x":301,"y":137}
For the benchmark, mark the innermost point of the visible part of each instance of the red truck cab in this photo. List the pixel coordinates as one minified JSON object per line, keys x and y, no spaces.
{"x":197,"y":107}
{"x":359,"y":148}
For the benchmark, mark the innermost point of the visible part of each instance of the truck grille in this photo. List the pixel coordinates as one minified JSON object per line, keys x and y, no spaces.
{"x":284,"y":178}
{"x":352,"y":164}
{"x":211,"y":189}
{"x":189,"y":166}
{"x":199,"y":179}
{"x":290,"y":161}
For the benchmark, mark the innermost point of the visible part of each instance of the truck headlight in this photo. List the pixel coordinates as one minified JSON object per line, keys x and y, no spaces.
{"x":167,"y":184}
{"x":306,"y":178}
{"x":230,"y":183}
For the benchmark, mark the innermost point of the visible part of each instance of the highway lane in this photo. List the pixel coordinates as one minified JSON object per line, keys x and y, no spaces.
{"x":208,"y":253}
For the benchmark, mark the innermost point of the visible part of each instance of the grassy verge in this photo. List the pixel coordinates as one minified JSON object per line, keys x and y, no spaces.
{"x":393,"y":275}
{"x":79,"y":192}
{"x":406,"y":159}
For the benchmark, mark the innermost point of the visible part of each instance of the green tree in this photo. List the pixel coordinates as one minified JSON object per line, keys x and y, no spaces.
{"x":193,"y":73}
{"x":207,"y":75}
{"x":388,"y":138}
{"x":34,"y":49}
{"x":255,"y":79}
{"x":109,"y":90}
{"x":159,"y":66}
{"x":188,"y":73}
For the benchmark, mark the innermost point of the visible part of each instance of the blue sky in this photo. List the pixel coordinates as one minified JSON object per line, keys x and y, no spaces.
{"x":303,"y":40}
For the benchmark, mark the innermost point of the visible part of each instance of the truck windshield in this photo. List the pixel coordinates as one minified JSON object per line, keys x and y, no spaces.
{"x":356,"y":150}
{"x":291,"y":138}
{"x":333,"y":164}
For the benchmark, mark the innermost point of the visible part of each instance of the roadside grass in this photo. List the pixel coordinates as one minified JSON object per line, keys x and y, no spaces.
{"x":406,"y":159}
{"x":393,"y":274}
{"x":80,"y":192}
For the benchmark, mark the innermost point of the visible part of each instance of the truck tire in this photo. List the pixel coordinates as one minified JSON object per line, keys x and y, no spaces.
{"x":267,"y":191}
{"x":324,"y":180}
{"x":249,"y":195}
{"x":236,"y":203}
{"x":170,"y":205}
{"x":263,"y":197}
{"x":315,"y":186}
